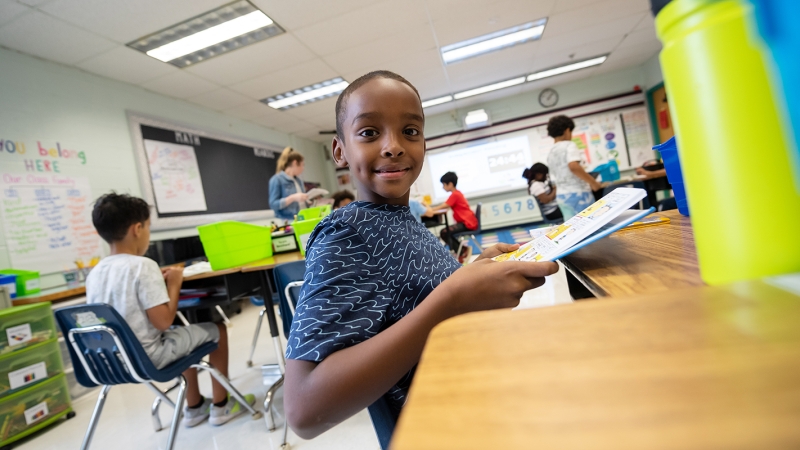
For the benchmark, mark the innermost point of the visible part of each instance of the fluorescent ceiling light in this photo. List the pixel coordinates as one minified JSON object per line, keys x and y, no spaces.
{"x":307,"y":94}
{"x":530,"y":31}
{"x":567,"y":68}
{"x":226,"y":28}
{"x":476,"y":118}
{"x":489,"y":88}
{"x":437,"y":101}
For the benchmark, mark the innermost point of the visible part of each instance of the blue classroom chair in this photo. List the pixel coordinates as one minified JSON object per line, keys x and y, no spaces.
{"x":469,"y":234}
{"x":105,"y":352}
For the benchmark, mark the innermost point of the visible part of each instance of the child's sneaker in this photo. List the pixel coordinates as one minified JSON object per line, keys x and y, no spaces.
{"x":195,"y":416}
{"x":232,"y":409}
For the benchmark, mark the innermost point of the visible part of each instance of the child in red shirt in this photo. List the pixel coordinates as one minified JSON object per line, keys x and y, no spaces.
{"x":463,"y":215}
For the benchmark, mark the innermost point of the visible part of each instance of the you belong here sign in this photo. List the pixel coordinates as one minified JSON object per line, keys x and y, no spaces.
{"x":42,"y":157}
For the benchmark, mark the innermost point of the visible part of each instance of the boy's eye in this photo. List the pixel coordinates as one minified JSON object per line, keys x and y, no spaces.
{"x":368,"y":133}
{"x":411,"y":131}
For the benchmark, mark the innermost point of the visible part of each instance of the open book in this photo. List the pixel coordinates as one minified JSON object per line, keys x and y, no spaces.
{"x":315,"y":193}
{"x":602,"y":218}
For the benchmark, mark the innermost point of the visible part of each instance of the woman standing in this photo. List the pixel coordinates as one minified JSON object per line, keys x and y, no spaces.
{"x":286,"y":190}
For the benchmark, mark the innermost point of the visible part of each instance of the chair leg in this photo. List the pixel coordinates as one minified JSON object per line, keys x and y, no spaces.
{"x":224,"y":317}
{"x":157,"y":403}
{"x":202,"y":365}
{"x":276,"y":342}
{"x":98,"y":409}
{"x":154,"y":414}
{"x":183,"y":319}
{"x":176,"y":416}
{"x":284,"y":444}
{"x":460,"y":246}
{"x":255,"y":336}
{"x":268,"y":403}
{"x":475,"y":241}
{"x":163,"y":395}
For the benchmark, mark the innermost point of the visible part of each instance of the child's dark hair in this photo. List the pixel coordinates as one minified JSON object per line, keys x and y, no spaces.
{"x":114,"y":213}
{"x":538,"y":168}
{"x":449,"y":177}
{"x":342,"y":195}
{"x":558,"y":125}
{"x":341,"y":102}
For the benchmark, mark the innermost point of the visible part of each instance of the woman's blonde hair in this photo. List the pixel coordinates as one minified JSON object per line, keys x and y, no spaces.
{"x":287,"y":157}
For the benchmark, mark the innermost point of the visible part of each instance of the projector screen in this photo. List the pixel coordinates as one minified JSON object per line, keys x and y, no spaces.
{"x":483,"y":168}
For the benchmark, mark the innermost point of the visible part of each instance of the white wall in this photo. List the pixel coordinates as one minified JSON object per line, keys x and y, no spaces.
{"x":47,"y":102}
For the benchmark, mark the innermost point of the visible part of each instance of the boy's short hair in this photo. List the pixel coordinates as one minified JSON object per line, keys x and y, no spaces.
{"x":558,"y":125}
{"x":114,"y":213}
{"x":341,"y":102}
{"x":342,"y":195}
{"x":449,"y":177}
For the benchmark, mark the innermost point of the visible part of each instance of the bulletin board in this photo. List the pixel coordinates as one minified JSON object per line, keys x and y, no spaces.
{"x":192,"y":177}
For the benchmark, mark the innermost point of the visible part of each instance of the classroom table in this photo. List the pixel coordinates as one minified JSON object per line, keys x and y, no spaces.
{"x":644,"y":260}
{"x":694,"y":368}
{"x":443,"y":213}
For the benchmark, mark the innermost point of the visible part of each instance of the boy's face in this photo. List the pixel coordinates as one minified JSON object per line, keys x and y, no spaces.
{"x":382,"y":142}
{"x":448,"y":187}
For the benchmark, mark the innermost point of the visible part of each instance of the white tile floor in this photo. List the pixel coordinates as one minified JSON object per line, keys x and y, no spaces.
{"x":126,"y":424}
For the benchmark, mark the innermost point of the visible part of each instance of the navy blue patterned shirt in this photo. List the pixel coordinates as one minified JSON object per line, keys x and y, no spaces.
{"x":367,"y":266}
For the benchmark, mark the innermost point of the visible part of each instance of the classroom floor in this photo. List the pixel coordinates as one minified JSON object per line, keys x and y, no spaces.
{"x":126,"y":424}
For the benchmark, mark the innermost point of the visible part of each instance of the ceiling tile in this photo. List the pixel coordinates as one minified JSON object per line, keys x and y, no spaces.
{"x":423,"y":70}
{"x":325,"y":121}
{"x":367,"y":56}
{"x":269,"y":55}
{"x":125,"y":64}
{"x":493,"y":67}
{"x":327,"y":106}
{"x":567,"y":43}
{"x":600,"y":13}
{"x":10,"y":10}
{"x":180,"y":85}
{"x":362,"y":25}
{"x":491,"y":17}
{"x":250,"y":110}
{"x":35,"y":2}
{"x":46,"y":37}
{"x":220,"y":100}
{"x":640,"y":37}
{"x":293,"y":15}
{"x":282,"y":81}
{"x":124,"y":21}
{"x":288,"y":125}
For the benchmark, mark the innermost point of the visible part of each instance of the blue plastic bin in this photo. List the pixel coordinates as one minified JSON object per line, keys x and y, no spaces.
{"x":608,"y":171}
{"x":669,"y":153}
{"x":9,"y":282}
{"x":778,"y":24}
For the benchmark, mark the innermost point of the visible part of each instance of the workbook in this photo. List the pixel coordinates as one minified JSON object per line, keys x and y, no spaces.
{"x":602,"y":218}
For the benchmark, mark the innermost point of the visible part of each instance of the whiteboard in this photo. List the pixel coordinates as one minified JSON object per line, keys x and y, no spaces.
{"x":176,"y":177}
{"x":622,"y":135}
{"x":48,"y":221}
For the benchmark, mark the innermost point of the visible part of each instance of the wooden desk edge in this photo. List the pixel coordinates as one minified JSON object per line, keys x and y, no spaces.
{"x":52,"y":297}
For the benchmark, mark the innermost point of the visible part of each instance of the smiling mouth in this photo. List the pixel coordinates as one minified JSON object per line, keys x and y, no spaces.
{"x":392,"y":172}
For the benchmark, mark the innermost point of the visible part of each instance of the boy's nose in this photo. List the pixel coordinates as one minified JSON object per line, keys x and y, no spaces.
{"x":392,"y":148}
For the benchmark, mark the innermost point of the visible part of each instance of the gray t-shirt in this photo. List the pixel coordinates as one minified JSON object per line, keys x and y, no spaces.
{"x":558,"y":160}
{"x":130,"y":284}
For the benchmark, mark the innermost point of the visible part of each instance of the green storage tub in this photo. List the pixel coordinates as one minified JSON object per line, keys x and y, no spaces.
{"x":230,"y":243}
{"x":32,"y":409}
{"x":28,"y":282}
{"x":302,"y":231}
{"x":23,"y":326}
{"x":19,"y":370}
{"x":315,"y":212}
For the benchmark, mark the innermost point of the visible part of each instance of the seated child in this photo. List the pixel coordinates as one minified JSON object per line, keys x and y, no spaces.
{"x":540,"y":186}
{"x":342,"y":199}
{"x":462,"y":214}
{"x":376,"y":280}
{"x":575,"y":186}
{"x":418,"y":210}
{"x":147,"y":297}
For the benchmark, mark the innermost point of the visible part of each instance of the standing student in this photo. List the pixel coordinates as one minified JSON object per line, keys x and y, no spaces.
{"x":376,"y":280}
{"x":462,"y":214}
{"x":540,"y":186}
{"x":287,"y":194}
{"x":575,"y":186}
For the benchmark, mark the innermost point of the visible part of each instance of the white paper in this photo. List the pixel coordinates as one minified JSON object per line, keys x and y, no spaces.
{"x":316,"y":192}
{"x":48,"y":221}
{"x":175,"y":176}
{"x":27,"y":375}
{"x":36,"y":413}
{"x":19,"y":334}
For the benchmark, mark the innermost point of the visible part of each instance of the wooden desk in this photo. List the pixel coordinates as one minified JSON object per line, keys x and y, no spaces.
{"x":53,"y":295}
{"x":443,"y":212}
{"x":698,"y":368}
{"x":269,"y":263}
{"x":645,"y":260}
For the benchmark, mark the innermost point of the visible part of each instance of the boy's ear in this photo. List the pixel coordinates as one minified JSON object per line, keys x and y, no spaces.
{"x":337,"y":149}
{"x":136,"y":229}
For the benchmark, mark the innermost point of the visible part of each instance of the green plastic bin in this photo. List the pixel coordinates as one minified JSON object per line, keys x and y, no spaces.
{"x":32,"y":409}
{"x":302,"y":231}
{"x":24,"y":326}
{"x":229,"y":243}
{"x":28,"y":282}
{"x":37,"y":363}
{"x":316,"y":212}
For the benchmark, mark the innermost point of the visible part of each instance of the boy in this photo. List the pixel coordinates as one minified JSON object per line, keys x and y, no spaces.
{"x":575,"y":186}
{"x":376,"y":281}
{"x":135,"y":287}
{"x":463,"y":215}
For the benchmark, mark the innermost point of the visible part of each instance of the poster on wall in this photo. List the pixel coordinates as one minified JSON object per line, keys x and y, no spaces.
{"x":601,"y":139}
{"x":175,"y":176}
{"x":47,"y":221}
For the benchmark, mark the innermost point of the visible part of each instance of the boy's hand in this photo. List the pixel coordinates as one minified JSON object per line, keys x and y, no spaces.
{"x":488,"y":284}
{"x":173,"y":276}
{"x":496,"y":250}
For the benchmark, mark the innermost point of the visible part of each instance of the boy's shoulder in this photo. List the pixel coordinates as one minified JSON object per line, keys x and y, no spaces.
{"x":115,"y":264}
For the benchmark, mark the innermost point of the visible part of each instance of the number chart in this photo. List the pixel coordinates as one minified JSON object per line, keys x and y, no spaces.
{"x":511,"y":211}
{"x":47,"y":221}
